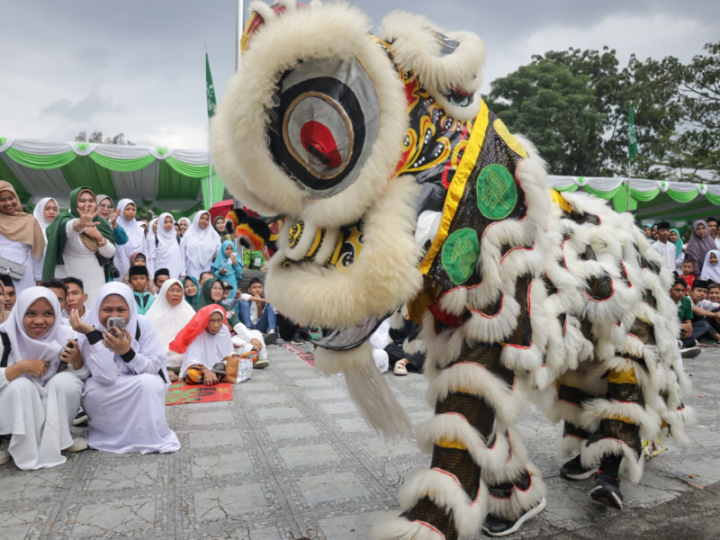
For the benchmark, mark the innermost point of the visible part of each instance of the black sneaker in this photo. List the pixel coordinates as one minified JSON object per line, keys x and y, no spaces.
{"x":270,"y":338}
{"x":574,"y":470}
{"x":219,"y":370}
{"x":690,"y":352}
{"x":80,"y":418}
{"x":607,"y":490}
{"x":299,"y":338}
{"x":495,"y":526}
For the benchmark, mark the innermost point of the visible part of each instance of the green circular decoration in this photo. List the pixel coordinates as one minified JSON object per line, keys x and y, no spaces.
{"x":496,"y":192}
{"x":460,"y":254}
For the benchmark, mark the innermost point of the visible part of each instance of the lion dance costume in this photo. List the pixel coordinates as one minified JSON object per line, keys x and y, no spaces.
{"x":398,"y":186}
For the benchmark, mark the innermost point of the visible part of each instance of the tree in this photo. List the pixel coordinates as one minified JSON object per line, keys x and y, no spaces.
{"x":97,"y":137}
{"x":556,"y":109}
{"x":590,"y":149}
{"x":697,"y":145}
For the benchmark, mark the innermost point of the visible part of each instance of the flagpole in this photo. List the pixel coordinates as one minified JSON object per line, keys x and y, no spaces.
{"x":210,"y":174}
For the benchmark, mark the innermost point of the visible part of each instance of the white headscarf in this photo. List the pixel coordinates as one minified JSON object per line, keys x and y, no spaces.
{"x":48,"y":347}
{"x":136,"y":238}
{"x":184,"y":219}
{"x":168,"y":320}
{"x":201,"y":245}
{"x":710,"y":272}
{"x":167,"y":252}
{"x":39,"y":213}
{"x":209,"y":349}
{"x":120,"y":289}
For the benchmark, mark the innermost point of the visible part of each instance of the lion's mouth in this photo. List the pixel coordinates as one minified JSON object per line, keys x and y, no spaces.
{"x":350,"y":337}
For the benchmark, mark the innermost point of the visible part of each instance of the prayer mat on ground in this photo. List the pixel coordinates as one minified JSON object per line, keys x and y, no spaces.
{"x":306,"y":356}
{"x":180,"y":393}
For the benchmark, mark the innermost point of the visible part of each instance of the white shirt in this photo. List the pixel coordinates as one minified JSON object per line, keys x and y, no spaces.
{"x":668,"y":253}
{"x":707,"y":305}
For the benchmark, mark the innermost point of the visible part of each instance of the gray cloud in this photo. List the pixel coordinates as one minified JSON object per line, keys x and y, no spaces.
{"x":149,"y":55}
{"x":85,"y":110}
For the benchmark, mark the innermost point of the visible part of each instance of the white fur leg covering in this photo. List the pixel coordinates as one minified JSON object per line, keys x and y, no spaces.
{"x":368,"y":389}
{"x":592,"y":454}
{"x":445,"y":490}
{"x":520,"y":501}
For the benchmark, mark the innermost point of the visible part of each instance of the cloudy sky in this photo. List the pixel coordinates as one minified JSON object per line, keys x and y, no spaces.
{"x":137,"y":66}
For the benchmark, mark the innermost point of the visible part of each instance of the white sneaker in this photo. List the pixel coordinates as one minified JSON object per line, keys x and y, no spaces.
{"x":79,"y":444}
{"x":4,"y":456}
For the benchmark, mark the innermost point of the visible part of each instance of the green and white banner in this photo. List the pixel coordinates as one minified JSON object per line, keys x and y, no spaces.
{"x":160,"y":178}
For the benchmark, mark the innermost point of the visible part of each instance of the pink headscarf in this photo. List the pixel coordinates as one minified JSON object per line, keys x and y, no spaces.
{"x":698,"y":248}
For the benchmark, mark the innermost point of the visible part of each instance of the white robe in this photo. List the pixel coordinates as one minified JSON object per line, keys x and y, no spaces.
{"x":38,"y":412}
{"x":125,"y":401}
{"x":82,"y":263}
{"x":208,"y":349}
{"x":199,"y":247}
{"x":21,"y":253}
{"x":168,"y":321}
{"x":166,"y":254}
{"x":136,"y":239}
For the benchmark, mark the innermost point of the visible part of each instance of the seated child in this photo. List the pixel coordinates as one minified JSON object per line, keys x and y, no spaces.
{"x":690,"y":330}
{"x":139,"y":278}
{"x":704,"y":310}
{"x":256,"y":313}
{"x":206,"y":344}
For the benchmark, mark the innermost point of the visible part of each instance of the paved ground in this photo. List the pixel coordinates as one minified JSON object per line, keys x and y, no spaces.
{"x":289,"y":458}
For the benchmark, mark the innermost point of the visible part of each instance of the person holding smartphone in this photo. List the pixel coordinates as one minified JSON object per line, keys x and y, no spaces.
{"x":125,"y":397}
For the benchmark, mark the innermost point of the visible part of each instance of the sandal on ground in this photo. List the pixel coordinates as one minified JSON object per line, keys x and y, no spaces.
{"x":400,"y":368}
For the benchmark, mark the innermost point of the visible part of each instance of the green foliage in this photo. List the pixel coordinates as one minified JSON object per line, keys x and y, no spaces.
{"x":555,"y":108}
{"x":574,"y":104}
{"x":97,"y":137}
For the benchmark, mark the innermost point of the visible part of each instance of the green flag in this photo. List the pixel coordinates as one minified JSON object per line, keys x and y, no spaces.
{"x":210,"y":88}
{"x":632,"y":135}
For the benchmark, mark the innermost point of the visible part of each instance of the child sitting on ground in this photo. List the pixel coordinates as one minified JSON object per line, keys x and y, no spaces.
{"x":139,"y":277}
{"x":207,"y":346}
{"x":704,"y":309}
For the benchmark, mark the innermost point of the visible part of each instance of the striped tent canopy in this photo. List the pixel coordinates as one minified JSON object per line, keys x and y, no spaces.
{"x":161,"y":179}
{"x":651,"y":200}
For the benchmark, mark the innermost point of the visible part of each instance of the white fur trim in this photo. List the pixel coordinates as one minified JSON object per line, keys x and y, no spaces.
{"x":383,"y":277}
{"x":444,"y":489}
{"x":519,"y":501}
{"x":416,"y":49}
{"x":475,"y":379}
{"x":595,"y":410}
{"x":592,"y":454}
{"x":367,"y":388}
{"x":240,"y":136}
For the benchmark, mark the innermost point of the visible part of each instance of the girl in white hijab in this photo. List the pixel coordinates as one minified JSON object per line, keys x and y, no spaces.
{"x":199,"y":245}
{"x":165,"y":252}
{"x":169,"y":314}
{"x":135,"y":234}
{"x":711,"y":266}
{"x":45,"y":212}
{"x":38,"y":404}
{"x":125,"y":396}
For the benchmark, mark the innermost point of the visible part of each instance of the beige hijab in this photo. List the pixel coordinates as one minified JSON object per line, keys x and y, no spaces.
{"x":22,"y":227}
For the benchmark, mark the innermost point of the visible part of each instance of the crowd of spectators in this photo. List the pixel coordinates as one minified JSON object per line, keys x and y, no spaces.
{"x":100,"y":312}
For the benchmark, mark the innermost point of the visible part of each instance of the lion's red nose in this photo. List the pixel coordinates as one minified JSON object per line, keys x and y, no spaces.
{"x":319,"y":142}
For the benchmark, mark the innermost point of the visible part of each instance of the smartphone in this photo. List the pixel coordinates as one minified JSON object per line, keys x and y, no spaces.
{"x":116,"y":322}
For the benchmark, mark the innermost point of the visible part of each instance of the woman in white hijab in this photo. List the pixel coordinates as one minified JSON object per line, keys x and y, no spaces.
{"x":38,"y":404}
{"x":199,"y":245}
{"x":136,"y":236}
{"x":45,"y":212}
{"x":165,"y":251}
{"x":125,"y":396}
{"x":169,"y":314}
{"x":711,"y":266}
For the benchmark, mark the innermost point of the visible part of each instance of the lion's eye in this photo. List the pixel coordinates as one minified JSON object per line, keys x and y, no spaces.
{"x":325,"y":124}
